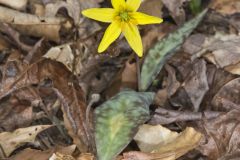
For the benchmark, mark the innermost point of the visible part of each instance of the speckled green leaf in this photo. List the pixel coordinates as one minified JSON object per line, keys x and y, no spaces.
{"x":117,"y":121}
{"x":164,"y":49}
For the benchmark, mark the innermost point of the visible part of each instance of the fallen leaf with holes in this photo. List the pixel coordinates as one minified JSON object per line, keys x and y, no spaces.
{"x":160,"y":143}
{"x":10,"y":141}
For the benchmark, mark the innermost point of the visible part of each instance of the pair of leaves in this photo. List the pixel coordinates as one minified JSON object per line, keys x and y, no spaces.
{"x":117,"y":120}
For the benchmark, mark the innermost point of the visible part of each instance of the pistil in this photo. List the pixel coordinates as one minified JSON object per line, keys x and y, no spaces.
{"x":124,"y":16}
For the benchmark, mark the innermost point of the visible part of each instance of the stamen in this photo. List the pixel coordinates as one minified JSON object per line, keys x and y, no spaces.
{"x":124,"y":16}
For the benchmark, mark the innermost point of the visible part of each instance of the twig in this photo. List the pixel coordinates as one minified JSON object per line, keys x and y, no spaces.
{"x":164,"y":116}
{"x":138,"y":71}
{"x":94,"y":98}
{"x":15,"y":36}
{"x":31,"y":53}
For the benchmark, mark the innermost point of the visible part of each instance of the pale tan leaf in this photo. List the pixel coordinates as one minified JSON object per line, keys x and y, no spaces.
{"x":163,"y":143}
{"x":33,"y":25}
{"x":9,"y":141}
{"x":61,"y":54}
{"x":64,"y":54}
{"x":59,"y":156}
{"x":151,"y":137}
{"x":16,"y":4}
{"x":86,"y":156}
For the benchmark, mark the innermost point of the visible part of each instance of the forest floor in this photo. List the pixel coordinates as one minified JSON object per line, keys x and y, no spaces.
{"x":62,"y":100}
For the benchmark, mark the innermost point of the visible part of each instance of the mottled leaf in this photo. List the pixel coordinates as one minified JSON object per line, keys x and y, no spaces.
{"x":117,"y":121}
{"x":165,"y":48}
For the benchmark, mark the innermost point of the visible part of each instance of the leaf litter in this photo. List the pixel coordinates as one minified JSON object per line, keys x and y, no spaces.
{"x":60,"y":99}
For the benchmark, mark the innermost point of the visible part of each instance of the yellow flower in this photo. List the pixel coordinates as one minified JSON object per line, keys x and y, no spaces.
{"x":123,"y":18}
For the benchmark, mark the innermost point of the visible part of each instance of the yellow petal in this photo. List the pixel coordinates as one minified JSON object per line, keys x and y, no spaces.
{"x":133,"y":37}
{"x":118,"y":4}
{"x":133,"y":4}
{"x":100,"y":14}
{"x":142,"y":18}
{"x":110,"y":35}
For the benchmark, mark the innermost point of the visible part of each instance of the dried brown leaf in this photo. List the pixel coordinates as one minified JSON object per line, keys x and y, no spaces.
{"x":64,"y":86}
{"x":129,"y":76}
{"x":43,"y":155}
{"x":33,"y":25}
{"x":228,"y":93}
{"x":153,"y":7}
{"x":176,"y":10}
{"x":72,"y":6}
{"x":223,"y":51}
{"x":19,"y":4}
{"x":86,"y":156}
{"x":196,"y":84}
{"x":59,"y":156}
{"x":226,"y":7}
{"x":221,"y":136}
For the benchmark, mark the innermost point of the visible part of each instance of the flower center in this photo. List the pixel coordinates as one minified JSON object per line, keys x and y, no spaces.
{"x":124,"y":16}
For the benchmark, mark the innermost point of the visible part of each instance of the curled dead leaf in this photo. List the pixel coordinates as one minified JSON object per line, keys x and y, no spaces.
{"x":165,"y":144}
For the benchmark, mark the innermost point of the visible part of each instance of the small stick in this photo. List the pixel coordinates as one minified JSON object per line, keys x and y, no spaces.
{"x":138,"y":71}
